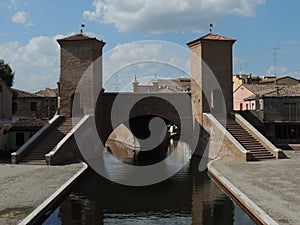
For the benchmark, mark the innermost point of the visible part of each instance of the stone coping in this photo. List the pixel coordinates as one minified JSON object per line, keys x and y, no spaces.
{"x":50,"y":202}
{"x":252,"y":208}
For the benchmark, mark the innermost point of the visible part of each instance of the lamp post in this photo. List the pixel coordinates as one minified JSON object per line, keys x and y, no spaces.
{"x":2,"y":115}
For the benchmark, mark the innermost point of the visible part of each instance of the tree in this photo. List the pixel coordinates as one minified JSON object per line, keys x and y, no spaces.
{"x":6,"y":73}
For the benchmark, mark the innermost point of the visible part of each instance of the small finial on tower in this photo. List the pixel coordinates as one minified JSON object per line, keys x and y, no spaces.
{"x":210,"y":28}
{"x":82,"y":26}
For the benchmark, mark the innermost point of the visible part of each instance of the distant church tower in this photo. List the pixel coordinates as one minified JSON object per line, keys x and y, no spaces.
{"x":214,"y":51}
{"x":78,"y":55}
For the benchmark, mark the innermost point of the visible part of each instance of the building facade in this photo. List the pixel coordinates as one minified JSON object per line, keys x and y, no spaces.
{"x":5,"y":102}
{"x":163,"y":85}
{"x":30,"y":105}
{"x":211,"y":74}
{"x":81,"y":63}
{"x":276,"y":107}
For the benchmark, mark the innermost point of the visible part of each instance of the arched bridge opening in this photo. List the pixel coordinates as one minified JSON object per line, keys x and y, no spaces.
{"x":152,"y":119}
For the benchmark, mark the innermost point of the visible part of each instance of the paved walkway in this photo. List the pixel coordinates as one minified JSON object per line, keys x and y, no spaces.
{"x":23,"y":188}
{"x":273,"y":185}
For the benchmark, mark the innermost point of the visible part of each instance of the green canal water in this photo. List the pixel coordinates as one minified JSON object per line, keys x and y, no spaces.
{"x":188,"y":197}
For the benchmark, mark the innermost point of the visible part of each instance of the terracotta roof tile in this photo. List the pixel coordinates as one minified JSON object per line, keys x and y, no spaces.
{"x":213,"y":37}
{"x":47,"y":92}
{"x":216,"y":37}
{"x":270,"y":80}
{"x":78,"y":37}
{"x":24,"y":94}
{"x":32,"y":122}
{"x":273,"y":90}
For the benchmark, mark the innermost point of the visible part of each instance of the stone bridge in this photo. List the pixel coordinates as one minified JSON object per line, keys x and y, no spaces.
{"x":135,"y":111}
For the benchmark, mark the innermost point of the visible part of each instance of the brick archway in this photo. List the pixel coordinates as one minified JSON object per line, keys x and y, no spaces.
{"x":148,"y":105}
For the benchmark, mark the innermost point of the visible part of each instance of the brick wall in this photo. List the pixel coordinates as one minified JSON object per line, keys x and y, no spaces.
{"x":5,"y":102}
{"x":211,"y":59}
{"x":154,"y":104}
{"x":24,"y":109}
{"x":79,"y":57}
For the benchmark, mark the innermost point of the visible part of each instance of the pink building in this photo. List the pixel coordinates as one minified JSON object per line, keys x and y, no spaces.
{"x":245,"y":91}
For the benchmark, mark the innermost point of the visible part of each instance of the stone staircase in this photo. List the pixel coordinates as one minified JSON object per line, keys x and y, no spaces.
{"x":256,"y":149}
{"x":37,"y":151}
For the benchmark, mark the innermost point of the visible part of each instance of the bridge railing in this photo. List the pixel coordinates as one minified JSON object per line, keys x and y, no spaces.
{"x":222,"y":143}
{"x":57,"y":155}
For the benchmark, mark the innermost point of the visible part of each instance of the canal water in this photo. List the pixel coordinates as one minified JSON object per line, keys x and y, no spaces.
{"x":188,"y":197}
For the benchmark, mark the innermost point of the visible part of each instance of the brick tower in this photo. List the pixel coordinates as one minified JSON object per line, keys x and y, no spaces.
{"x":211,"y":59}
{"x":79,"y":54}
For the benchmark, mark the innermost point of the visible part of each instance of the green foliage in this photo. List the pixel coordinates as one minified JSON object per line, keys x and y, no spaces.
{"x":6,"y":73}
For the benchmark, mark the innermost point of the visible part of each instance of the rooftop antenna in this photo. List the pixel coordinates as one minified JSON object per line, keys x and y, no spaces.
{"x":275,"y":53}
{"x":82,"y":26}
{"x":210,"y":28}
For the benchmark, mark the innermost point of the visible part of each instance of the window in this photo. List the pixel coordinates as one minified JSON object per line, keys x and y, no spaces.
{"x":216,"y":101}
{"x":287,"y":131}
{"x":289,"y":112}
{"x":33,"y":106}
{"x":14,"y":107}
{"x":20,"y":139}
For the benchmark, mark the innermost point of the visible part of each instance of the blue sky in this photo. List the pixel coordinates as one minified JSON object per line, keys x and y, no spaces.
{"x":29,"y":30}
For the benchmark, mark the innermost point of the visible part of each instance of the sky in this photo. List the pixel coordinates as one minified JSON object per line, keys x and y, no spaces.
{"x":265,"y":30}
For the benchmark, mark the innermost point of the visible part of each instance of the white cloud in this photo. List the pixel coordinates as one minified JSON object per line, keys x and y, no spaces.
{"x":291,"y":42}
{"x":144,"y":59}
{"x":278,"y":70}
{"x":36,"y":64}
{"x":128,"y":55}
{"x":13,"y":4}
{"x":22,"y":18}
{"x":157,"y":17}
{"x":238,"y":60}
{"x":295,"y":74}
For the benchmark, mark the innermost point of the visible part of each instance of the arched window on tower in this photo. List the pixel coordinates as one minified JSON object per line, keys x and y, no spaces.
{"x":217,"y":104}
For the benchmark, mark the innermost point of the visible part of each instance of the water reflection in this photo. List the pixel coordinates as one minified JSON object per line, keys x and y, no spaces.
{"x":189,"y":197}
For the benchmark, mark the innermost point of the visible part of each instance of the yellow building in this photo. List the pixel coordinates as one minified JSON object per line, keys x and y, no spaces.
{"x":239,"y":79}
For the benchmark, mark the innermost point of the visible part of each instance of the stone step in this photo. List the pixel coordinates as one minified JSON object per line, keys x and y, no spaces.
{"x":261,"y":153}
{"x":256,"y":149}
{"x":240,"y":133}
{"x":263,"y":157}
{"x":247,"y":140}
{"x":33,"y":162}
{"x":32,"y":154}
{"x":250,"y":143}
{"x":253,"y":146}
{"x":37,"y":153}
